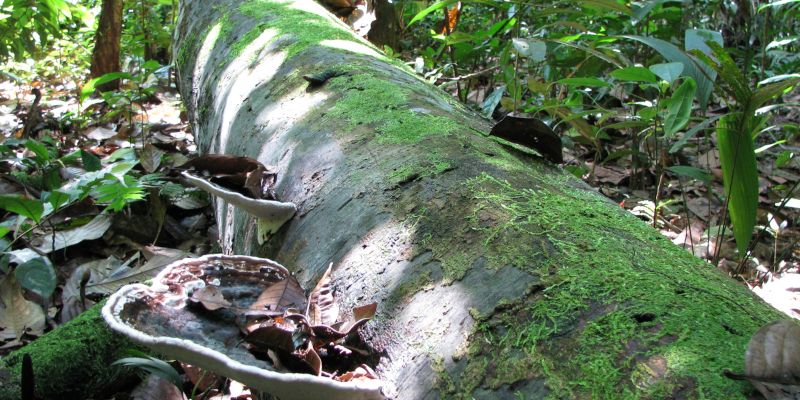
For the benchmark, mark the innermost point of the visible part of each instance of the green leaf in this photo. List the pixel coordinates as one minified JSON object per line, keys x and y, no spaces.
{"x":634,"y":74}
{"x":740,"y":176}
{"x":690,"y":134}
{"x":691,"y":67}
{"x":27,"y":208}
{"x":667,"y":71}
{"x":534,"y":49}
{"x":695,"y":39}
{"x":640,"y":11}
{"x":92,"y":85}
{"x":38,"y":276}
{"x":154,"y":366}
{"x":692,"y":172}
{"x":770,"y":91}
{"x":610,"y":5}
{"x":589,"y":82}
{"x":775,"y":4}
{"x":56,"y":198}
{"x":39,"y":150}
{"x":492,"y":100}
{"x":446,"y":3}
{"x":90,"y":161}
{"x":679,"y":109}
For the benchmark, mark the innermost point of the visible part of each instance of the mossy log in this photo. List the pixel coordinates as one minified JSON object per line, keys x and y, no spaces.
{"x":497,"y":274}
{"x":71,"y":362}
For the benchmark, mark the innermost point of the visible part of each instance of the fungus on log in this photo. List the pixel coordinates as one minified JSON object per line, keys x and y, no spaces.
{"x":160,"y":318}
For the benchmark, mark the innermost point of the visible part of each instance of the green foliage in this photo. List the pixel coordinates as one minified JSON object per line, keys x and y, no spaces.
{"x":153,"y":366}
{"x":38,"y":276}
{"x":28,"y":28}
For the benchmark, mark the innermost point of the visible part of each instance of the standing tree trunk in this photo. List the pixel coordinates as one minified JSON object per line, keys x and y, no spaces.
{"x":498,"y":276}
{"x":105,"y":56}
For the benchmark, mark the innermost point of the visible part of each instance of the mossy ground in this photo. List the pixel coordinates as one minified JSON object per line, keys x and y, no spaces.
{"x":71,"y":362}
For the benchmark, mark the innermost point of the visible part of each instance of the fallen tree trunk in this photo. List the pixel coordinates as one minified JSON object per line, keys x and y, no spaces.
{"x":495,"y":273}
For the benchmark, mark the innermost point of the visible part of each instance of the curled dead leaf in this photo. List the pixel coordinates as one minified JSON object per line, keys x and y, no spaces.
{"x":210,"y":297}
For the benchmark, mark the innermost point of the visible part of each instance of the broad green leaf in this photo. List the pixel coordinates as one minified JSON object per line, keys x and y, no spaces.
{"x":492,"y":100}
{"x":610,"y":5}
{"x":679,"y":109}
{"x":38,"y":276}
{"x":90,"y":161}
{"x":634,"y":74}
{"x":154,"y":366}
{"x":668,"y":71}
{"x":38,"y":149}
{"x":698,"y":71}
{"x":770,"y":91}
{"x":740,"y":176}
{"x":446,"y":3}
{"x":534,"y":49}
{"x":27,"y":208}
{"x":690,"y":134}
{"x":775,"y":4}
{"x":92,"y":84}
{"x":641,"y":10}
{"x":56,"y":198}
{"x":588,"y":82}
{"x":695,"y":39}
{"x":692,"y":172}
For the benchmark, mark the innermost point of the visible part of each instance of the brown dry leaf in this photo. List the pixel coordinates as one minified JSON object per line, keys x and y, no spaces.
{"x":155,"y":388}
{"x":272,"y":335}
{"x":450,"y":19}
{"x":772,"y":361}
{"x":322,"y":307}
{"x":150,"y":157}
{"x":241,"y":174}
{"x":310,"y":357}
{"x":279,"y":297}
{"x":210,"y":297}
{"x":18,"y":315}
{"x":202,"y":379}
{"x":325,"y":334}
{"x":361,"y":373}
{"x":365,"y":311}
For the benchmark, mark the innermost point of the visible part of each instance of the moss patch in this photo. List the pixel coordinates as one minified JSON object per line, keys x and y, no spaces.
{"x":74,"y":361}
{"x":369,"y":100}
{"x":590,"y":322}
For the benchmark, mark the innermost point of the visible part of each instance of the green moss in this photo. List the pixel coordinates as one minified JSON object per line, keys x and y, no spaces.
{"x":73,"y":361}
{"x":434,"y":165}
{"x":417,"y":282}
{"x":591,"y":322}
{"x":370,"y":100}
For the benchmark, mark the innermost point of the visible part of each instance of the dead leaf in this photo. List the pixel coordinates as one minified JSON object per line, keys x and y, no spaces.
{"x":272,"y":335}
{"x":531,"y":133}
{"x":362,"y":373}
{"x":322,"y":307}
{"x":365,"y":311}
{"x":150,"y":157}
{"x":451,"y":16}
{"x":311,"y":359}
{"x":244,"y":175}
{"x":210,"y":297}
{"x":279,"y":297}
{"x":772,"y":361}
{"x":18,"y":315}
{"x":99,"y":133}
{"x":201,"y":379}
{"x":155,"y":388}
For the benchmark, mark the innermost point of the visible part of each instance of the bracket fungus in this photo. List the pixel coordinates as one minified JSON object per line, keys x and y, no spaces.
{"x":271,"y":214}
{"x":167,"y":318}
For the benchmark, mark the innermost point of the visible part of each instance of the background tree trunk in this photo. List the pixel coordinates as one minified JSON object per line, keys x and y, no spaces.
{"x":105,"y":56}
{"x":495,"y":273}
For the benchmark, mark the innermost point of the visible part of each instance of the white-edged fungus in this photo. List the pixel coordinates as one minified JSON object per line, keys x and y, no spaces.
{"x":158,"y":317}
{"x":271,"y":214}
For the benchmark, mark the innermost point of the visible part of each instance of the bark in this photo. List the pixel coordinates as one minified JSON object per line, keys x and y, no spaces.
{"x":105,"y":56}
{"x":496,"y":273}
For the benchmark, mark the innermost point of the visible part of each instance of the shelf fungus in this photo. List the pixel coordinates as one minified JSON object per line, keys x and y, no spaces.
{"x":245,"y":183}
{"x":199,"y":311}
